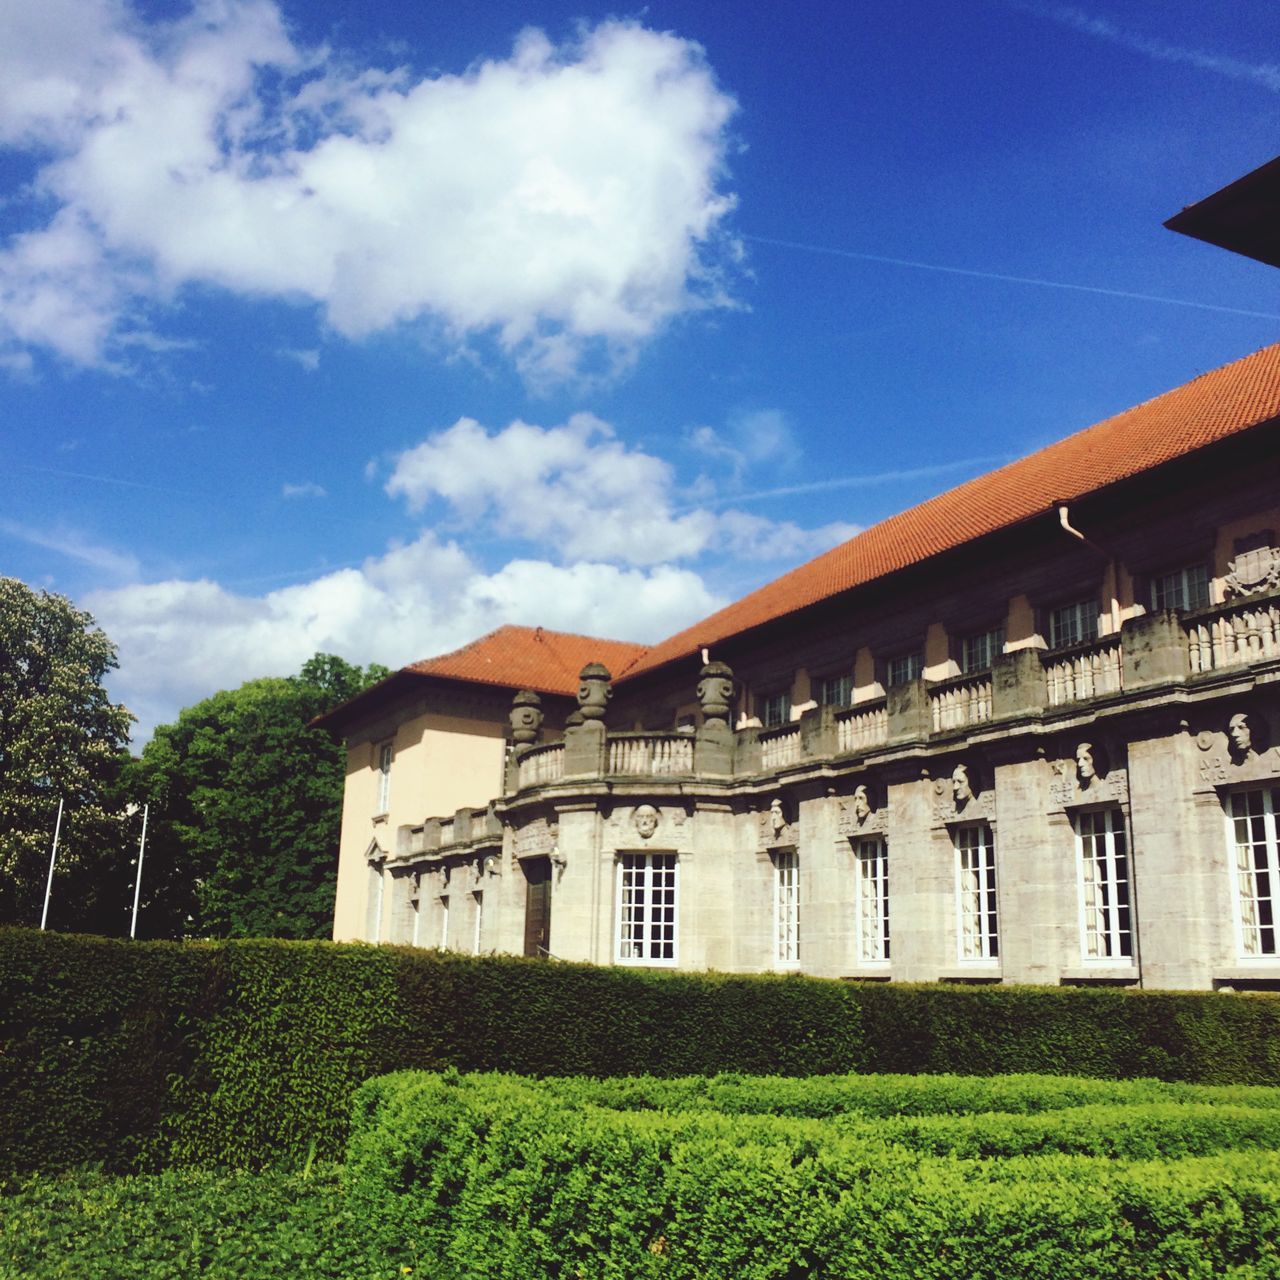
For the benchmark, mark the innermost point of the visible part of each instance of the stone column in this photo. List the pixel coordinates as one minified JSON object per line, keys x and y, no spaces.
{"x":921,"y":885}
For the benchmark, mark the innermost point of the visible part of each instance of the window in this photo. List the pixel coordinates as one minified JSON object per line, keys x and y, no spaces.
{"x":835,"y":691}
{"x":905,"y":668}
{"x":1256,"y":864}
{"x":775,"y":709}
{"x":646,"y":907}
{"x":1075,"y":623}
{"x":444,"y":922}
{"x":373,"y":903}
{"x":978,"y":653}
{"x":786,"y":906}
{"x":475,"y":945}
{"x":871,"y":892}
{"x":1181,"y":589}
{"x":385,"y":754}
{"x":1106,"y":920}
{"x":976,"y":931}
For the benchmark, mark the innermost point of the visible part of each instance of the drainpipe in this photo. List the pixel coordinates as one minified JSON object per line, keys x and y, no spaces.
{"x":1064,"y":519}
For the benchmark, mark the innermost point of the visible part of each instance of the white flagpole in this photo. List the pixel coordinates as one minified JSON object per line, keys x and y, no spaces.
{"x":53,"y":857}
{"x":137,"y":884}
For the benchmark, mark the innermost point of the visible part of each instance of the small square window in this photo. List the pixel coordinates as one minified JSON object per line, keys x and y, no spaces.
{"x":835,"y":691}
{"x":1075,"y":623}
{"x":905,"y":668}
{"x":979,"y":652}
{"x":1181,"y":588}
{"x":775,"y":709}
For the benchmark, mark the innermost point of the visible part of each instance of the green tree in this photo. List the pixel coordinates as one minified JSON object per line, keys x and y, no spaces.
{"x":246,"y":806}
{"x":61,"y":738}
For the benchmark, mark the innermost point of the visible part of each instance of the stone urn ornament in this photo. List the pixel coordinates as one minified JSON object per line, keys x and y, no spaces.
{"x":715,"y":692}
{"x":593,"y":691}
{"x":526,"y":718}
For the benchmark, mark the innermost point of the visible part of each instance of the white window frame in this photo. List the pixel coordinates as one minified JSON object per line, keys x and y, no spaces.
{"x":903,"y":668}
{"x":1183,"y":589}
{"x":786,"y":908}
{"x":1073,"y":623}
{"x":979,"y":651}
{"x":1254,"y":880}
{"x":871,"y":900}
{"x":444,"y":922}
{"x":646,"y":908}
{"x":977,"y":894}
{"x":775,"y":709}
{"x":386,"y":754}
{"x":377,"y":890}
{"x":478,"y":895}
{"x":1105,"y":877}
{"x":841,"y":686}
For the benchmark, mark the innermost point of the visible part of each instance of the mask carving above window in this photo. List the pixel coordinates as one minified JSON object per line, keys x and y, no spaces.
{"x":1240,"y":751}
{"x":1254,"y":570}
{"x":1087,"y":776}
{"x":861,"y":814}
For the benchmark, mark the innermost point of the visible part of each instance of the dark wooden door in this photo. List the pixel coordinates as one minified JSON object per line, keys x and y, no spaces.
{"x":537,"y":906}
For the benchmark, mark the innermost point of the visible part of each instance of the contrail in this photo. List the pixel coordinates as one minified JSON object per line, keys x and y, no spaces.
{"x":116,"y":480}
{"x":1007,"y":279}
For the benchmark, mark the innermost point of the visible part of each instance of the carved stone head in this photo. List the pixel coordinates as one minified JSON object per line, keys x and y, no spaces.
{"x":777,"y":819}
{"x":1246,"y":735}
{"x":715,"y":691}
{"x":861,"y":802}
{"x":963,"y":788}
{"x":593,"y":691}
{"x":526,"y":718}
{"x":645,"y":820}
{"x":1091,"y":763}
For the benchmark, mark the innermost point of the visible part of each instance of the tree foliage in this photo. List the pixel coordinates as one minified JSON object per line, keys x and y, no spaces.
{"x":61,"y":737}
{"x":246,"y":805}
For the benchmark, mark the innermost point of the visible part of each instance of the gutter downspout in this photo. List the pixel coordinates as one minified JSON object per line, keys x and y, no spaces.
{"x":1064,"y":519}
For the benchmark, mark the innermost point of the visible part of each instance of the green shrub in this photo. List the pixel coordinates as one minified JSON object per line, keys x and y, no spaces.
{"x":499,"y":1177}
{"x":133,"y":1055}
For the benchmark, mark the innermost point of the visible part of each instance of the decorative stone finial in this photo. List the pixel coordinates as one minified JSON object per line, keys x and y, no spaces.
{"x":593,"y":690}
{"x":715,"y":691}
{"x":526,"y":718}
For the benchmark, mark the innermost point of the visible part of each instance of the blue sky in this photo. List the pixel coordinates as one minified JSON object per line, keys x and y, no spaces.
{"x":366,"y":329}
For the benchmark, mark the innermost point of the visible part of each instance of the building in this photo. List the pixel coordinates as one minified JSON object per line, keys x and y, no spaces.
{"x":1022,"y":732}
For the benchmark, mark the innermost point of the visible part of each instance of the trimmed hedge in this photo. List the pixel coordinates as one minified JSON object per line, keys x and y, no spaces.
{"x":133,"y":1055}
{"x":494,"y":1178}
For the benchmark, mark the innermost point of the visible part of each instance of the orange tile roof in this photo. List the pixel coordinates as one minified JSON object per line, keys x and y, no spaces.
{"x":529,"y":658}
{"x":1209,"y":408}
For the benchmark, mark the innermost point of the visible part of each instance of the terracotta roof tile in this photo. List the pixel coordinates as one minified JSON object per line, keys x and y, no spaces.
{"x":1209,"y":408}
{"x":529,"y":658}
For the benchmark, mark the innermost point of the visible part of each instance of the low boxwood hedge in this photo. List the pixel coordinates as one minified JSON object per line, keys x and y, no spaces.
{"x":134,"y":1055}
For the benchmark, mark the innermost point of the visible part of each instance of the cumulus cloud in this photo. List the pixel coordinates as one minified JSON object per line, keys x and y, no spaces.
{"x":578,"y":490}
{"x":566,"y":200}
{"x":179,"y":640}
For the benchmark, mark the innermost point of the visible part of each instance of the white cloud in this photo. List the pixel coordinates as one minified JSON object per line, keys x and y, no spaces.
{"x":73,"y":545}
{"x":580,"y":493}
{"x":565,"y":200}
{"x":307,"y":489}
{"x":308,"y":358}
{"x":180,"y":640}
{"x":749,"y":440}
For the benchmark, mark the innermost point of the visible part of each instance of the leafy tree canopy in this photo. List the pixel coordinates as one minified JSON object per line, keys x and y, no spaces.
{"x":246,"y":807}
{"x":61,"y":737}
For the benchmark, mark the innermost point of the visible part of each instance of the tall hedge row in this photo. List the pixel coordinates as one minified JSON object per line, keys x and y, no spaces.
{"x":134,"y":1055}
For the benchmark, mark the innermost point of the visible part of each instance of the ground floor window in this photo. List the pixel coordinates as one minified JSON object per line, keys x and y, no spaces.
{"x":872,"y":899}
{"x":1256,"y":862}
{"x":444,"y":921}
{"x":977,"y":929}
{"x":373,"y":903}
{"x":786,"y":906}
{"x":646,"y":907}
{"x":475,"y":945}
{"x":1106,"y":914}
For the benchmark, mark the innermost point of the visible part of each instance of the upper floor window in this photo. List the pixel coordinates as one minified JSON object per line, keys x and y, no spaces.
{"x":978,"y":652}
{"x":835,"y":691}
{"x":1181,"y":588}
{"x":903,"y":669}
{"x":1075,"y":623}
{"x":1107,"y":922}
{"x":786,"y":906}
{"x":646,"y":907}
{"x":977,"y":926}
{"x":775,"y":709}
{"x":385,"y":755}
{"x":1255,"y":851}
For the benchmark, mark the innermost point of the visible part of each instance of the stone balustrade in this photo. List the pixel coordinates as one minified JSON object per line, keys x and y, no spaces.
{"x":862,"y":728}
{"x":1233,"y":635}
{"x":956,"y":704}
{"x":540,"y":765}
{"x":651,"y":754}
{"x":780,"y":747}
{"x":1090,"y":671}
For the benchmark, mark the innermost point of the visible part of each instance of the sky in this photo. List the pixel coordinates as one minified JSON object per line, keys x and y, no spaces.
{"x":365,"y":329}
